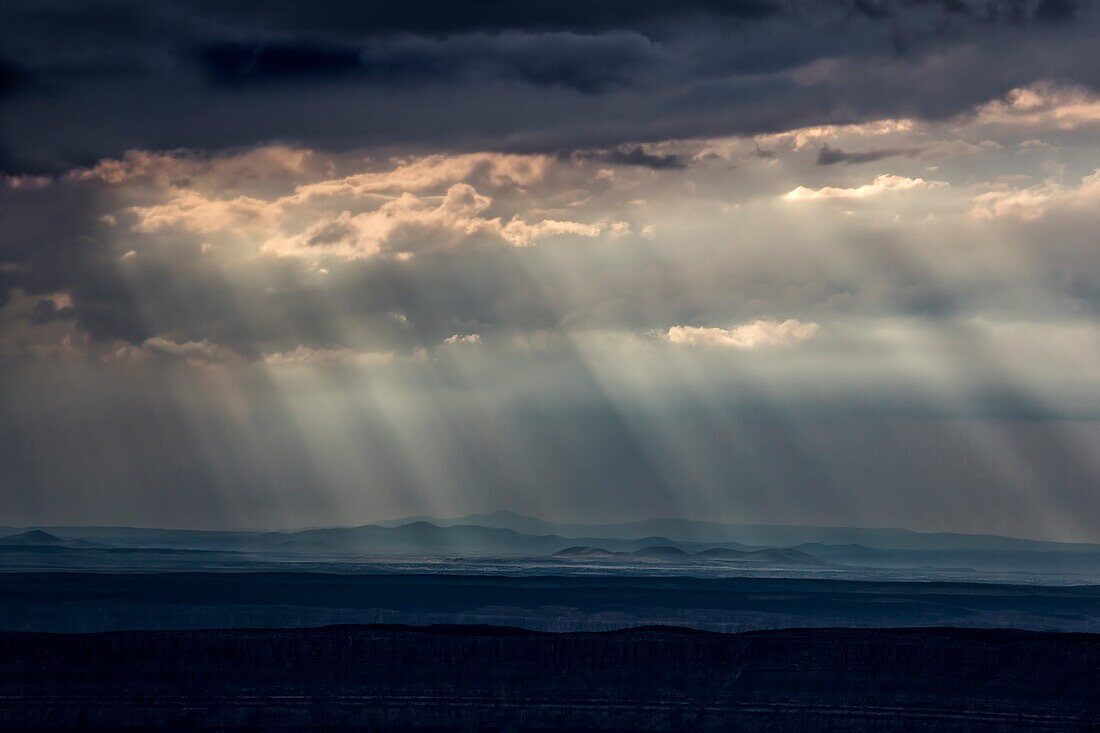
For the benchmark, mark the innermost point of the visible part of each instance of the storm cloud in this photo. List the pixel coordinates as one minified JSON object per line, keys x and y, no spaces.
{"x":503,"y":75}
{"x":755,"y":261}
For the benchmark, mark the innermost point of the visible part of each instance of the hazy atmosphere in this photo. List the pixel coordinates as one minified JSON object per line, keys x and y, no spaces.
{"x":747,"y":261}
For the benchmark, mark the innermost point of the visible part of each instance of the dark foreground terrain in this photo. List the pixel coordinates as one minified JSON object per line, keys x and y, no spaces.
{"x":496,"y":678}
{"x":85,"y":602}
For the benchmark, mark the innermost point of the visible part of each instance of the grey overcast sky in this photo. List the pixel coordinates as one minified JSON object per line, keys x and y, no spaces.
{"x":290,"y":264}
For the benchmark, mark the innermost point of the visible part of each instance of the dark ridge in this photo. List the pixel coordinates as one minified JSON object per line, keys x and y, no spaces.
{"x":41,"y":538}
{"x":661,"y":552}
{"x":31,"y":537}
{"x":584,"y":551}
{"x":37,"y":539}
{"x":785,"y":555}
{"x":983,"y":636}
{"x":496,"y":678}
{"x":722,"y":553}
{"x":103,"y":601}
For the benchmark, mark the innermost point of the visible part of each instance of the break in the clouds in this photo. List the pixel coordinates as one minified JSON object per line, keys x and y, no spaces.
{"x":757,"y":261}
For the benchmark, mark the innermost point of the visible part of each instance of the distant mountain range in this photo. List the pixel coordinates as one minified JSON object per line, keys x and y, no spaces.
{"x":675,"y":530}
{"x":753,"y":535}
{"x":414,"y":539}
{"x":782,"y":557}
{"x":40,"y":538}
{"x":506,"y":535}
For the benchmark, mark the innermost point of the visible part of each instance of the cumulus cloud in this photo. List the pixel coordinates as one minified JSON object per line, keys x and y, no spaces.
{"x":469,"y":339}
{"x":198,"y":213}
{"x":757,"y":334}
{"x":420,"y":204}
{"x":1032,"y":203}
{"x":25,"y":183}
{"x":885,"y":183}
{"x":307,"y":356}
{"x":521,"y":234}
{"x":428,"y":172}
{"x":411,"y":224}
{"x":192,"y":352}
{"x":288,"y":246}
{"x":800,"y":137}
{"x":1026,"y":204}
{"x":1042,"y":105}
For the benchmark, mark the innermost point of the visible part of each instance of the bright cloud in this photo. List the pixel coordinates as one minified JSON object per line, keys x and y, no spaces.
{"x":306,"y":356}
{"x":803,"y":136}
{"x":753,"y":335}
{"x":192,"y":352}
{"x":431,"y":172}
{"x":1042,"y":105}
{"x":470,"y":339}
{"x":881,"y":184}
{"x":411,"y":224}
{"x":1032,"y":203}
{"x":362,"y":215}
{"x":192,"y":211}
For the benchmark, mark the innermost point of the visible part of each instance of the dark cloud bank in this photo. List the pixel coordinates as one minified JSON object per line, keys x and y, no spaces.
{"x":81,"y":82}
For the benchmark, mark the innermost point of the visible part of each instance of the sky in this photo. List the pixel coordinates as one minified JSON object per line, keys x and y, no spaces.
{"x":300,"y":264}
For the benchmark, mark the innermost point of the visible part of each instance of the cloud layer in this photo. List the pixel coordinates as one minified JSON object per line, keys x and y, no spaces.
{"x":523,"y":76}
{"x":755,"y":261}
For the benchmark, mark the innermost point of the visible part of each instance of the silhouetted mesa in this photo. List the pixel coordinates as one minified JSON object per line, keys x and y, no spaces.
{"x":663,"y":552}
{"x":584,"y":552}
{"x":37,"y":538}
{"x":31,"y":537}
{"x":453,"y":677}
{"x":784,"y":556}
{"x":669,"y":553}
